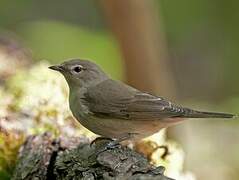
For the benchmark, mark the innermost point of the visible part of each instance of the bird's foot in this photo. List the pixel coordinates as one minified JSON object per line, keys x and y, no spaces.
{"x":107,"y":146}
{"x":103,"y":144}
{"x":100,"y":140}
{"x":108,"y":143}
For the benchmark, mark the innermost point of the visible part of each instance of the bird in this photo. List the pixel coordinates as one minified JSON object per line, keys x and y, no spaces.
{"x":115,"y":110}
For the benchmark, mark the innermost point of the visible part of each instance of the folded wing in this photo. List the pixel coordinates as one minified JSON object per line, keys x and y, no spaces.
{"x":113,"y":99}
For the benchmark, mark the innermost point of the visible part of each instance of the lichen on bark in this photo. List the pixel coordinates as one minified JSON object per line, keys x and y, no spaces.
{"x":45,"y":157}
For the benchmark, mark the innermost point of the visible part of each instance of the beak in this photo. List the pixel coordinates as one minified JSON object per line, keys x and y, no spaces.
{"x":56,"y":67}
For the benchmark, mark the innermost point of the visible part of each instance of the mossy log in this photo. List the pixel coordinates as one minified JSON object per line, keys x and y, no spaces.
{"x":44,"y":157}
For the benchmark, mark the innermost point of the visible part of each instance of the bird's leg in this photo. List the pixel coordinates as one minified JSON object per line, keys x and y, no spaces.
{"x":114,"y":143}
{"x":98,"y":139}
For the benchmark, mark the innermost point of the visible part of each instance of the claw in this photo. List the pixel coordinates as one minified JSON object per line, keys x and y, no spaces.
{"x":110,"y":145}
{"x":98,"y":139}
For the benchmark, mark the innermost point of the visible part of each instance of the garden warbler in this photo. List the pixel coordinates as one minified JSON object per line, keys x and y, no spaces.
{"x":115,"y":110}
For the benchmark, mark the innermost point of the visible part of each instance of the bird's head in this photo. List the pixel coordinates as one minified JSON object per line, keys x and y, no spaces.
{"x":80,"y":73}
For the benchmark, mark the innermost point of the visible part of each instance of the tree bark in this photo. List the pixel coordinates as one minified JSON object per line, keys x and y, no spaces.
{"x":44,"y":157}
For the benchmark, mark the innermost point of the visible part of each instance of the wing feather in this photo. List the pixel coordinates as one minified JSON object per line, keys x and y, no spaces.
{"x":112,"y":99}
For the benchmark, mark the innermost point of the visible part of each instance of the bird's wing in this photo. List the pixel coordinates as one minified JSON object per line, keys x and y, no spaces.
{"x":112,"y":99}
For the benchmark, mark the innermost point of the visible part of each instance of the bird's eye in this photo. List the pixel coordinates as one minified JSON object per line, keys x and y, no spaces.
{"x":77,"y":69}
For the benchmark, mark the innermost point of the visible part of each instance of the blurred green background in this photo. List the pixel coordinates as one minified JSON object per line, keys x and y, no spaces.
{"x":200,"y":43}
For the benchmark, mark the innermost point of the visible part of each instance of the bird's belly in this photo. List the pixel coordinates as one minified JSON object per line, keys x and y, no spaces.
{"x":115,"y":128}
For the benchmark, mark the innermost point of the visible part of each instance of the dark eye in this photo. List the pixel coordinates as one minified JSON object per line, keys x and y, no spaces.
{"x":77,"y":69}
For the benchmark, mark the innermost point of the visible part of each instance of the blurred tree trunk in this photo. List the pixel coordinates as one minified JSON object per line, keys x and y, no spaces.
{"x":135,"y":24}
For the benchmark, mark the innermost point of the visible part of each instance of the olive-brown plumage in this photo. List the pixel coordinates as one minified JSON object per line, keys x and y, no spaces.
{"x":113,"y":109}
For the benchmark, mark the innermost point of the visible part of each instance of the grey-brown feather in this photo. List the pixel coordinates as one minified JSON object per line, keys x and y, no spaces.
{"x":114,"y":99}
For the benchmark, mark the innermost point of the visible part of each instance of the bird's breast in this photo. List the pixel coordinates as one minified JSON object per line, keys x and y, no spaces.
{"x":115,"y":128}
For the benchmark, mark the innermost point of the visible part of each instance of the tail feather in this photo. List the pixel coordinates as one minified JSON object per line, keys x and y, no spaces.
{"x":189,"y":113}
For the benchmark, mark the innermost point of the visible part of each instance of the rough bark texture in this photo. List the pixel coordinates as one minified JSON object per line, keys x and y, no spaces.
{"x":44,"y":157}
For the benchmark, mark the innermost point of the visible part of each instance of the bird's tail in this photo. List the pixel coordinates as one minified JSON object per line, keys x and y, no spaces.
{"x":189,"y":113}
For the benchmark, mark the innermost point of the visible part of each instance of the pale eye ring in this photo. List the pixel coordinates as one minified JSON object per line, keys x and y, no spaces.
{"x":78,"y":69}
